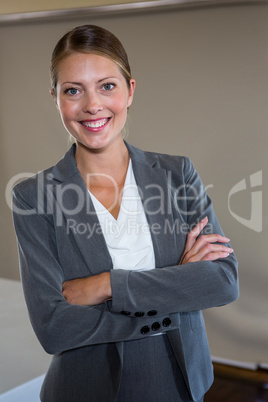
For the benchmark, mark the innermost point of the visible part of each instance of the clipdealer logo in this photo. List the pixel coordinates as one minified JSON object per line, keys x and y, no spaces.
{"x":255,"y":220}
{"x":252,"y":190}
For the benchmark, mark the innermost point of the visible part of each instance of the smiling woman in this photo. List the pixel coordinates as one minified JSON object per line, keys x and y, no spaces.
{"x":97,"y":103}
{"x":155,"y":257}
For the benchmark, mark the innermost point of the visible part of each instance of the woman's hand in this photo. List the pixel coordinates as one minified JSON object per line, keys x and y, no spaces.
{"x":88,"y":291}
{"x":203,"y":248}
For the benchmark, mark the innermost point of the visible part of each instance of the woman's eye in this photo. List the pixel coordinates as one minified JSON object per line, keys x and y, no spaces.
{"x":72,"y":91}
{"x":108,"y":87}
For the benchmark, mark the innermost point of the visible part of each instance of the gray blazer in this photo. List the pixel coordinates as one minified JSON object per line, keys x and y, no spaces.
{"x":59,"y":238}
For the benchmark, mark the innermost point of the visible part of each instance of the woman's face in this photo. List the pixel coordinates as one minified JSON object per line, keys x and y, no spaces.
{"x":92,"y":98}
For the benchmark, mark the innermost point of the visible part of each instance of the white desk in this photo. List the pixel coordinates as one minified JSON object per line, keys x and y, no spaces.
{"x":22,"y":358}
{"x":27,"y":392}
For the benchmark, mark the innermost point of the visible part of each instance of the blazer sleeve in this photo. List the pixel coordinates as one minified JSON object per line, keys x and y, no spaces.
{"x":60,"y":326}
{"x":181,"y":288}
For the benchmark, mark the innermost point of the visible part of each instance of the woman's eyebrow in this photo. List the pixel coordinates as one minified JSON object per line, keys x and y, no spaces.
{"x":71,"y":83}
{"x":80,"y":83}
{"x":107,"y":78}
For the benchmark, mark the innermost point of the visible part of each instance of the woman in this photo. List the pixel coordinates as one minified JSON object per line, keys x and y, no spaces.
{"x":117,"y":245}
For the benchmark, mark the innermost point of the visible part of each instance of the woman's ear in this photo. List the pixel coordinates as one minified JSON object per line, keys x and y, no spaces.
{"x":52,"y":93}
{"x":132,"y":84}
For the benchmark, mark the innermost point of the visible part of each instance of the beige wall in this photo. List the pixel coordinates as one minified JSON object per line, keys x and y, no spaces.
{"x":202,"y":90}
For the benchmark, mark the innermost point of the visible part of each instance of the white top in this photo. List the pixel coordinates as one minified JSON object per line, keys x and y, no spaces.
{"x":128,"y":238}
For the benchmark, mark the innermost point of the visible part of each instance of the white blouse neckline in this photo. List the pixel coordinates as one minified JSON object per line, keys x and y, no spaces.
{"x":128,"y":237}
{"x":101,"y":209}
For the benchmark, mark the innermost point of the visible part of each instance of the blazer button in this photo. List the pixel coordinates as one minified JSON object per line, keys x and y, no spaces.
{"x":155,"y":326}
{"x":166,"y":322}
{"x":151,"y":313}
{"x":145,"y":330}
{"x":125,"y":312}
{"x":139,"y":314}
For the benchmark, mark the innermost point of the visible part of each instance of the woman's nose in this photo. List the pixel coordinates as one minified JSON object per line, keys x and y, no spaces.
{"x":92,"y":104}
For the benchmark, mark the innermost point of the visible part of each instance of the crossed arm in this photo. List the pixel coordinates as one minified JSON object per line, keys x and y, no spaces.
{"x":97,"y":289}
{"x":78,"y":306}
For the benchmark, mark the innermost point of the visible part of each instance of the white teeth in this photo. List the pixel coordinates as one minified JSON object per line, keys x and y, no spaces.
{"x":95,"y":124}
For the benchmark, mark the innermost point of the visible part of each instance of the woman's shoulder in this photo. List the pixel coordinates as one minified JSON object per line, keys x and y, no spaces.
{"x":64,"y":168}
{"x":162,"y":160}
{"x":28,"y":187}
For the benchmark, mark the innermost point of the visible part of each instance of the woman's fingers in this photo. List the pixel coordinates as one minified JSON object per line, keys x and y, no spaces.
{"x":210,"y":252}
{"x":215,"y":256}
{"x":205,"y":240}
{"x":203,"y":247}
{"x":88,"y":291}
{"x":191,"y":237}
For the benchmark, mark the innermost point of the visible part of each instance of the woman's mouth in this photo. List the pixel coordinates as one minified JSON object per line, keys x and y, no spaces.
{"x":95,"y":125}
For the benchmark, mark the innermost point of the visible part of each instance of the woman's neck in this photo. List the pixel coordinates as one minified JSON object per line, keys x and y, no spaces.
{"x":109,"y":162}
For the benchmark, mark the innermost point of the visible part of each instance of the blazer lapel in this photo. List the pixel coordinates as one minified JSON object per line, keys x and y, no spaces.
{"x":155,"y":194}
{"x":77,"y":215}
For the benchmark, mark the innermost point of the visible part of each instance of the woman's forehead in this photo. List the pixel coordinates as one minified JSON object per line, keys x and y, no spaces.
{"x":87,"y":64}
